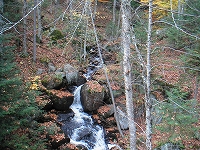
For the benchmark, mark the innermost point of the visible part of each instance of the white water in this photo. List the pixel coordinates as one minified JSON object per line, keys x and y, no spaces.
{"x":93,"y":136}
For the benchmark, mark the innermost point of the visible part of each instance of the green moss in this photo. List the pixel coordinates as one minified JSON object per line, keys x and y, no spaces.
{"x":56,"y":35}
{"x":44,"y":59}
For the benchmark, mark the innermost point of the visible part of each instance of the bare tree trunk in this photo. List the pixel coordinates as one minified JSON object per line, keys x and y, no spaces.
{"x":1,"y":21}
{"x":34,"y":32}
{"x":55,"y":12}
{"x":197,"y":83}
{"x":25,"y":28}
{"x":39,"y":21}
{"x":95,"y":9}
{"x":86,"y":29}
{"x":114,"y":9}
{"x":148,"y":102}
{"x":105,"y":72}
{"x":180,"y":8}
{"x":126,"y":41}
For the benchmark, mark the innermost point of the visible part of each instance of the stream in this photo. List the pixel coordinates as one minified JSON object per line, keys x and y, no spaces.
{"x":78,"y":125}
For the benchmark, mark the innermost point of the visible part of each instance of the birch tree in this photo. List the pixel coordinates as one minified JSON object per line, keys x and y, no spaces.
{"x":39,"y":20}
{"x":148,"y":102}
{"x":34,"y":31}
{"x":114,"y":10}
{"x":126,"y":41}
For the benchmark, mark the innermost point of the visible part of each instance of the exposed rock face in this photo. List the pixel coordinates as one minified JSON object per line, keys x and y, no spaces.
{"x":59,"y":140}
{"x":105,"y":111}
{"x":106,"y":115}
{"x":123,"y":120}
{"x":62,"y":100}
{"x":71,"y":74}
{"x":52,"y":81}
{"x":92,"y":96}
{"x":51,"y":67}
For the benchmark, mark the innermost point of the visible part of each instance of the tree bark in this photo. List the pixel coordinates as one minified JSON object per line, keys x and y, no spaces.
{"x":25,"y":28}
{"x":126,"y":41}
{"x":114,"y":9}
{"x":105,"y":72}
{"x":86,"y":29}
{"x":1,"y":21}
{"x":39,"y":21}
{"x":34,"y":32}
{"x":95,"y":9}
{"x":148,"y":102}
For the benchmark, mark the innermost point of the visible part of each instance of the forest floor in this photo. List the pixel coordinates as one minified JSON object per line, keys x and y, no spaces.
{"x":166,"y":59}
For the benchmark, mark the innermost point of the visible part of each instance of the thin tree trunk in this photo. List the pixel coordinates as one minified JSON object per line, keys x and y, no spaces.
{"x":39,"y":21}
{"x":1,"y":22}
{"x":196,"y":86}
{"x":180,"y":8}
{"x":95,"y":9}
{"x":105,"y":72}
{"x":55,"y":12}
{"x":25,"y":28}
{"x":114,"y":9}
{"x":126,"y":41}
{"x":86,"y":29}
{"x":148,"y":102}
{"x":34,"y":34}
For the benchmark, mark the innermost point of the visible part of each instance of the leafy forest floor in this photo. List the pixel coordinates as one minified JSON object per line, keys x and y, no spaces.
{"x":163,"y":65}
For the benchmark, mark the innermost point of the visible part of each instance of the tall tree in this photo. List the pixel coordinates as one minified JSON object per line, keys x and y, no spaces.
{"x":148,"y":102}
{"x":114,"y":11}
{"x":25,"y":27}
{"x":39,"y":19}
{"x":1,"y":20}
{"x":126,"y":41}
{"x":34,"y":31}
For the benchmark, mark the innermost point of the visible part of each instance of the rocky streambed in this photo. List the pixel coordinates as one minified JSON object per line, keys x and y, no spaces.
{"x":57,"y":98}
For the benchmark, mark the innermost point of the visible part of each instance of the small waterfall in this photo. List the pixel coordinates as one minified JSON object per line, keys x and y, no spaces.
{"x":80,"y":128}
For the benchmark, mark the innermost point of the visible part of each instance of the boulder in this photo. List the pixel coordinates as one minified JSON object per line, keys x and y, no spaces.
{"x":58,"y":140}
{"x":123,"y":120}
{"x":92,"y":95}
{"x":169,"y":146}
{"x":40,"y":71}
{"x":52,"y":81}
{"x":71,"y":74}
{"x":105,"y":111}
{"x":51,"y":67}
{"x":62,"y":100}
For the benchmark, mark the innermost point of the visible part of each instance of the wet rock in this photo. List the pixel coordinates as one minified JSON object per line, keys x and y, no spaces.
{"x":62,"y":100}
{"x":92,"y":96}
{"x":65,"y":117}
{"x":59,"y":140}
{"x":80,"y":79}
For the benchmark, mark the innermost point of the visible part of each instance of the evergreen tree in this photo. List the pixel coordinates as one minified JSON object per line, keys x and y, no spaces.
{"x":18,"y":110}
{"x":178,"y":116}
{"x":185,"y":36}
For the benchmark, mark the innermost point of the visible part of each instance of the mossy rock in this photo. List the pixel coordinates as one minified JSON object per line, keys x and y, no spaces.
{"x":52,"y":81}
{"x":56,"y":35}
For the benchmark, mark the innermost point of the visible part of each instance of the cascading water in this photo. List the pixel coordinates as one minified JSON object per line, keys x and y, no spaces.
{"x":80,"y":128}
{"x":78,"y":125}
